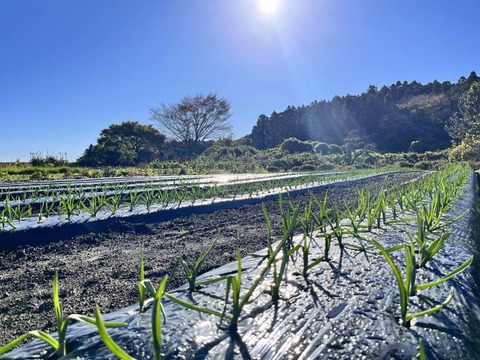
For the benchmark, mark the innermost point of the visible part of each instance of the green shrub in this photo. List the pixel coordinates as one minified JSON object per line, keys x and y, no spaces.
{"x":217,"y":153}
{"x":336,"y":149}
{"x":39,"y":175}
{"x":273,"y":169}
{"x":36,"y":159}
{"x":431,"y":165}
{"x":423,"y":165}
{"x":435,"y":155}
{"x":293,"y":145}
{"x":322,"y":148}
{"x":403,"y":164}
{"x":281,"y":164}
{"x":307,"y":167}
{"x":326,"y":166}
{"x":91,"y":173}
{"x":411,"y":156}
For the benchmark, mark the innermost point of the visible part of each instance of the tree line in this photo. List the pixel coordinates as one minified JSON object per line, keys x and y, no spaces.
{"x":397,"y":118}
{"x":389,"y":119}
{"x":193,"y":124}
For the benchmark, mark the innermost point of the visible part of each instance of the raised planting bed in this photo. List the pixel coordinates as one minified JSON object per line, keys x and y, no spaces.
{"x":345,"y":306}
{"x":58,"y":213}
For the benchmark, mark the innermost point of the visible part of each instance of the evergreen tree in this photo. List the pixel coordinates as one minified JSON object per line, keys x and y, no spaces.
{"x":465,"y":123}
{"x":125,"y":144}
{"x":465,"y":126}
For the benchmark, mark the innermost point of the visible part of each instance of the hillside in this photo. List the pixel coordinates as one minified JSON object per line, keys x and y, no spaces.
{"x":389,"y":119}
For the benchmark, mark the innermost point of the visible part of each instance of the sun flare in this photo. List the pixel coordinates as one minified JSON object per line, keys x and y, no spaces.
{"x":268,"y":7}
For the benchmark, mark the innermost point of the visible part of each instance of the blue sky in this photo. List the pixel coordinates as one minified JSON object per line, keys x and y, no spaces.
{"x":70,"y":68}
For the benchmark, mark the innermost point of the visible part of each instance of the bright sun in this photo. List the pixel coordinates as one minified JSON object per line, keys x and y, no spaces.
{"x":268,"y":6}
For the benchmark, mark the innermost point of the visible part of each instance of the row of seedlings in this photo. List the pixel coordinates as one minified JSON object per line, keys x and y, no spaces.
{"x":446,"y":186}
{"x":369,"y":211}
{"x":110,"y":198}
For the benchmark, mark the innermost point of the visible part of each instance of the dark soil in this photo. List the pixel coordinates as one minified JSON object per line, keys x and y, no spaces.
{"x":103,"y":268}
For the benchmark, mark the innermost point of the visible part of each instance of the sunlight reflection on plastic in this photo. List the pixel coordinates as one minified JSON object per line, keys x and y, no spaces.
{"x":204,"y":329}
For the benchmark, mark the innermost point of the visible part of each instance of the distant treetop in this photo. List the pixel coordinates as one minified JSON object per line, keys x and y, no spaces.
{"x":194,"y":119}
{"x":389,"y":119}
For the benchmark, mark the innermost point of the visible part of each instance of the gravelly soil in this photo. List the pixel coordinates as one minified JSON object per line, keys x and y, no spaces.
{"x":103,"y":268}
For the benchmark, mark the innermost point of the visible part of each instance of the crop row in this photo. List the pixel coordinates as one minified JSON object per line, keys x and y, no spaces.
{"x":429,"y":199}
{"x":130,"y":182}
{"x":67,"y":201}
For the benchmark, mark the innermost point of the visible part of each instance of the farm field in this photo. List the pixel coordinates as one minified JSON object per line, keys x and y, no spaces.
{"x":239,"y":180}
{"x":47,"y":211}
{"x":22,"y":202}
{"x":102,"y":268}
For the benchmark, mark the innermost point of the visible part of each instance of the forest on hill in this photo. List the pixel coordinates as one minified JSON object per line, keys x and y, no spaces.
{"x":402,"y":125}
{"x":389,"y":119}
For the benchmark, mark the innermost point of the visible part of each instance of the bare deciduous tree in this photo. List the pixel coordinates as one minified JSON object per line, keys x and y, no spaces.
{"x":194,"y":119}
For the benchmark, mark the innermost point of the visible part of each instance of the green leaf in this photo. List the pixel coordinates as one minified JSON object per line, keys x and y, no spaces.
{"x":56,"y":302}
{"x":149,"y":286}
{"x":212,"y":281}
{"x":202,"y":256}
{"x":141,"y":289}
{"x":107,"y":340}
{"x":92,"y":321}
{"x":433,"y":248}
{"x":157,"y":319}
{"x":422,"y":355}
{"x":13,"y":343}
{"x":398,"y":277}
{"x":315,"y":263}
{"x":401,"y":220}
{"x":410,"y":268}
{"x":227,"y":292}
{"x":294,"y":249}
{"x":186,"y":268}
{"x":447,"y":277}
{"x":45,"y":338}
{"x":269,"y":225}
{"x":194,"y":307}
{"x":239,"y":267}
{"x":446,"y":223}
{"x":395,"y":248}
{"x":432,"y":310}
